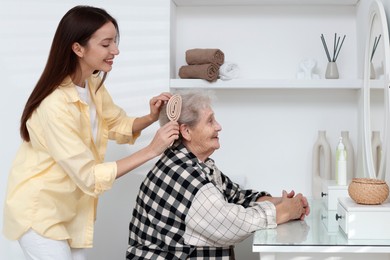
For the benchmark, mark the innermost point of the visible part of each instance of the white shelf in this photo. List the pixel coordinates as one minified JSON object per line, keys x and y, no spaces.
{"x":263,"y":2}
{"x":274,"y":84}
{"x":255,"y":37}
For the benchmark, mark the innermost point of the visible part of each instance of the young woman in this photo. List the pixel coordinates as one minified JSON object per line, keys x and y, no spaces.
{"x":59,"y":170}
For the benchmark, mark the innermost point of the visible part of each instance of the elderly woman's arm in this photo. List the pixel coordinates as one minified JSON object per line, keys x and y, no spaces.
{"x":212,"y":221}
{"x":243,"y":197}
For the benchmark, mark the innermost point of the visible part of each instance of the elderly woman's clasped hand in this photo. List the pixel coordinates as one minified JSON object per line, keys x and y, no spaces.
{"x":290,"y":206}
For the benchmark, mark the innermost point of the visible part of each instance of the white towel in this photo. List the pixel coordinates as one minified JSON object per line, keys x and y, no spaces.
{"x":229,"y":71}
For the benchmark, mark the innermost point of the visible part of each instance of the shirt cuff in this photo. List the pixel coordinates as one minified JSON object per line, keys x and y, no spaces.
{"x":269,"y":210}
{"x":105,"y":175}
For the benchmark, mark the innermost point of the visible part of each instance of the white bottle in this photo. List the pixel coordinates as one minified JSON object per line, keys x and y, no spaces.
{"x":341,"y":163}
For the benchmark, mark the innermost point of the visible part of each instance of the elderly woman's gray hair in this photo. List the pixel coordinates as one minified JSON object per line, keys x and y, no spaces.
{"x":193,"y":101}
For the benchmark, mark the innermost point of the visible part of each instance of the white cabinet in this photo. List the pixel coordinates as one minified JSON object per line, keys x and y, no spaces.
{"x":363,"y":221}
{"x":331,"y":192}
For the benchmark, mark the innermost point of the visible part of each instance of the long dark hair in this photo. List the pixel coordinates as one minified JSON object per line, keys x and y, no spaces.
{"x":77,"y":25}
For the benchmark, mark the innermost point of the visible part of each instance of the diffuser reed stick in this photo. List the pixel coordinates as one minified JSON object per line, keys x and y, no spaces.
{"x":325,"y":47}
{"x":376,"y":42}
{"x":336,"y":47}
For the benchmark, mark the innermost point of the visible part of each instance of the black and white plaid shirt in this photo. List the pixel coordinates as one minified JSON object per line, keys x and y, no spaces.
{"x":187,"y":209}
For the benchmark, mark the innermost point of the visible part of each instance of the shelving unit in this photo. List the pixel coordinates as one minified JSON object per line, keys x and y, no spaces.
{"x":256,"y":33}
{"x":270,"y":119}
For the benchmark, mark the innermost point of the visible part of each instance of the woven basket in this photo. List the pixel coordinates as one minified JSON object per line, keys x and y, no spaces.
{"x":368,"y":191}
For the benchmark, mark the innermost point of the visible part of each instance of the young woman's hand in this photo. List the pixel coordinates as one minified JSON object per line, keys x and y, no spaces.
{"x":164,"y":137}
{"x":156,"y":103}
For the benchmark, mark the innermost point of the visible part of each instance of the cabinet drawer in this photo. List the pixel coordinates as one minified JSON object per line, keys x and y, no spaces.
{"x":341,"y":218}
{"x":331,"y":192}
{"x":363,"y":221}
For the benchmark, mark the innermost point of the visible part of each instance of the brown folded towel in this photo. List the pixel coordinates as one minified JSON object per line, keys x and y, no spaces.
{"x":208,"y":72}
{"x":203,"y":56}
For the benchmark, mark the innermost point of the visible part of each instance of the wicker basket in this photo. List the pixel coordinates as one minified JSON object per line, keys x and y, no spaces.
{"x":368,"y":191}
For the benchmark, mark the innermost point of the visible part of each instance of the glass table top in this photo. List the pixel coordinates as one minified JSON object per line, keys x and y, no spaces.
{"x":319,"y":230}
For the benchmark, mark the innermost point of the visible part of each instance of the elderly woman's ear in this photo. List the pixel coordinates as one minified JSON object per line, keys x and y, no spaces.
{"x":185,"y":132}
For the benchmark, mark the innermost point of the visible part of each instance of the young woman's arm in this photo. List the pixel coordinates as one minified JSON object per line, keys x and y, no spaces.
{"x":155,"y":104}
{"x":163,"y":138}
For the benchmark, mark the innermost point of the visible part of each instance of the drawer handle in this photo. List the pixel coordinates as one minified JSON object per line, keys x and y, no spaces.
{"x":338,"y":217}
{"x":324,"y":194}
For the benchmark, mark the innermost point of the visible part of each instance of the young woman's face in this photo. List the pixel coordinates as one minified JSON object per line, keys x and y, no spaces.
{"x":100,"y":50}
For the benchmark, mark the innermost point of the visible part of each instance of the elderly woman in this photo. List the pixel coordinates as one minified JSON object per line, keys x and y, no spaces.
{"x":187,"y":209}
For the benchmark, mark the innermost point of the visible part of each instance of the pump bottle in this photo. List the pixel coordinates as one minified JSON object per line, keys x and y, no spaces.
{"x":341,"y":163}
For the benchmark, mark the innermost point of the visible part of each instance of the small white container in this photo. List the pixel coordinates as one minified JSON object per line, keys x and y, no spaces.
{"x":330,"y":193}
{"x":363,"y":221}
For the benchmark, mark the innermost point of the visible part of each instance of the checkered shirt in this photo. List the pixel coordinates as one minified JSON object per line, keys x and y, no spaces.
{"x":187,"y":209}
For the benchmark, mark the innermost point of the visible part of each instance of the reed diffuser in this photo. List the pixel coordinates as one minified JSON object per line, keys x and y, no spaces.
{"x":331,"y":70}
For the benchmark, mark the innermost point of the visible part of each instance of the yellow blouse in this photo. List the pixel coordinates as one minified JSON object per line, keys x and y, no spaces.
{"x":56,"y":178}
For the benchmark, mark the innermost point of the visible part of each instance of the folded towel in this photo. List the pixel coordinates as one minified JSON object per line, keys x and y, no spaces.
{"x":229,"y":71}
{"x":208,"y":72}
{"x":203,"y":56}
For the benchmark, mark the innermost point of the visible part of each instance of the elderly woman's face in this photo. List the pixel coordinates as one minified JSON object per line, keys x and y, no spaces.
{"x":204,"y":136}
